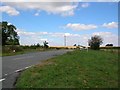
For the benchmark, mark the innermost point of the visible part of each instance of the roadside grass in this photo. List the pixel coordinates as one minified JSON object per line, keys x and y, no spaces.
{"x":112,"y":50}
{"x":22,"y":52}
{"x":11,"y":54}
{"x":77,"y":69}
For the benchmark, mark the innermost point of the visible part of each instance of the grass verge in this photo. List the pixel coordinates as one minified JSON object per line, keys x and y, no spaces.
{"x":77,"y":69}
{"x":23,"y":52}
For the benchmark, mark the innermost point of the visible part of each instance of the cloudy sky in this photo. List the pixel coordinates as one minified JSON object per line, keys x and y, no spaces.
{"x":51,"y":21}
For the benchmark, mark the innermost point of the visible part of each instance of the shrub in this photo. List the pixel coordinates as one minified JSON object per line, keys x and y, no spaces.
{"x":10,"y":48}
{"x":95,"y":42}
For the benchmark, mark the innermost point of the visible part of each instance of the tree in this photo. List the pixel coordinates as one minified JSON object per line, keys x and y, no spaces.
{"x":109,"y":44}
{"x":74,"y":45}
{"x":9,"y":35}
{"x":38,"y":45}
{"x":0,"y":34}
{"x":95,"y":42}
{"x":45,"y":44}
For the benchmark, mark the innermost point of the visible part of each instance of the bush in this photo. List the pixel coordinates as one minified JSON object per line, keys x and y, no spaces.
{"x":10,"y":48}
{"x":95,"y":42}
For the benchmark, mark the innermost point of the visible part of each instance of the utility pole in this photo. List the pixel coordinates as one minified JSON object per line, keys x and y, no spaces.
{"x":64,"y":40}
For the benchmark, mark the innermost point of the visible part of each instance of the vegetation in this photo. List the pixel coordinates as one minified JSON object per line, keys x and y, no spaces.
{"x":78,"y":69}
{"x":95,"y":42}
{"x":110,"y":47}
{"x":9,"y":35}
{"x":10,"y":41}
{"x":109,"y":44}
{"x":45,"y":44}
{"x":8,"y":50}
{"x":74,"y":45}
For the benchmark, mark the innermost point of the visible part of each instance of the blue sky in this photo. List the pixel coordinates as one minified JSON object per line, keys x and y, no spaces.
{"x":37,"y":22}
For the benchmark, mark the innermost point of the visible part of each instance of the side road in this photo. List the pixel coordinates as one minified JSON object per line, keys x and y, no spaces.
{"x":12,"y":65}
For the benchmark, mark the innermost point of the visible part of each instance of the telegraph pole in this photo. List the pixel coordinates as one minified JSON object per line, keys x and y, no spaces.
{"x":64,"y":40}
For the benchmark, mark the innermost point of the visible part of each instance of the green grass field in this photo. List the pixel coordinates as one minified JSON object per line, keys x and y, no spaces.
{"x":77,"y":69}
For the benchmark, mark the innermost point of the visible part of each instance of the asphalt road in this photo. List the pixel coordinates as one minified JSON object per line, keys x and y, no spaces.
{"x":12,"y":65}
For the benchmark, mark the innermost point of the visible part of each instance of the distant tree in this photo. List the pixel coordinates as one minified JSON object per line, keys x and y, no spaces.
{"x":74,"y":45}
{"x":95,"y":42}
{"x":38,"y":45}
{"x":109,"y":44}
{"x":9,"y":35}
{"x":45,"y":44}
{"x":33,"y":46}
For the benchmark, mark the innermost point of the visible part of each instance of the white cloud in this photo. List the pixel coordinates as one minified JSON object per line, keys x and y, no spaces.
{"x":102,"y":33}
{"x":44,"y":39}
{"x":9,"y":10}
{"x":61,"y":8}
{"x":67,"y":34}
{"x":78,"y":26}
{"x":57,"y":39}
{"x":110,"y":25}
{"x":108,"y":37}
{"x":85,"y":5}
{"x":106,"y":0}
{"x":37,"y":14}
{"x":60,"y":0}
{"x":21,"y":32}
{"x":9,"y":24}
{"x":40,"y":1}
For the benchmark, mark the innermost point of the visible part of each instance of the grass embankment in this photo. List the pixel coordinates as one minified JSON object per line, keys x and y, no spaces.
{"x":77,"y":69}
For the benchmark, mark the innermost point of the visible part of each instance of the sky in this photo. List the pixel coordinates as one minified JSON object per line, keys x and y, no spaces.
{"x":37,"y":22}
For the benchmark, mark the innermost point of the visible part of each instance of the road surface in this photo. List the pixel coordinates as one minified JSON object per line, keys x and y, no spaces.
{"x":12,"y":65}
